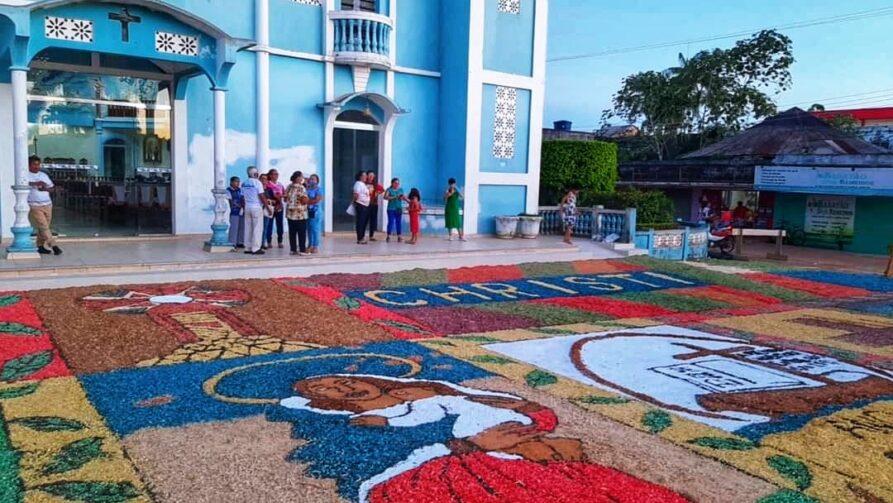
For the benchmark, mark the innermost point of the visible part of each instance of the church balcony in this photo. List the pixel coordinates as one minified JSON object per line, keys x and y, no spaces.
{"x":362,"y":38}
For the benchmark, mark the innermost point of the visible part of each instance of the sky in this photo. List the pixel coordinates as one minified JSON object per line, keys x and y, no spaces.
{"x":833,"y":63}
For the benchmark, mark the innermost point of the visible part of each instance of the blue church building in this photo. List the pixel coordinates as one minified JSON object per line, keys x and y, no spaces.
{"x":142,"y":110}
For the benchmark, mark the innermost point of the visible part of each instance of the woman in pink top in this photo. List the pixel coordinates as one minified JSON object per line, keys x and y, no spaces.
{"x":275,"y":193}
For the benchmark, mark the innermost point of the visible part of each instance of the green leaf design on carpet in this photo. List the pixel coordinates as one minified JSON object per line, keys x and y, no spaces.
{"x":546,"y":315}
{"x":406,"y":327}
{"x":680,"y":303}
{"x":50,"y":423}
{"x":480,"y":339}
{"x":347,"y":303}
{"x":8,"y":300}
{"x":724,"y":444}
{"x":10,"y":484}
{"x":538,"y":378}
{"x":17,"y":392}
{"x":74,"y":455}
{"x":656,"y":421}
{"x":92,"y":492}
{"x":11,"y":328}
{"x":787,"y":496}
{"x":602,"y":400}
{"x":552,"y":331}
{"x":497,"y":360}
{"x":24,"y":366}
{"x":791,"y":469}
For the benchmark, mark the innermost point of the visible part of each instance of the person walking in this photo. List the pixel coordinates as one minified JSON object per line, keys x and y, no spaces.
{"x":453,"y":218}
{"x":255,"y":199}
{"x":395,"y":198}
{"x":375,"y":192}
{"x":568,"y":207}
{"x":296,"y":201}
{"x":236,"y":213}
{"x":314,"y":214}
{"x":275,"y":193}
{"x":361,"y":203}
{"x":41,"y":204}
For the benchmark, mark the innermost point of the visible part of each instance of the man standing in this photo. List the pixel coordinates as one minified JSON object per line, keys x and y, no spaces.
{"x":41,"y":213}
{"x":236,"y":212}
{"x":254,"y":202}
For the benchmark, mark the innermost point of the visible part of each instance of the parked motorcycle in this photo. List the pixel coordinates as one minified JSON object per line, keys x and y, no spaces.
{"x":719,"y":236}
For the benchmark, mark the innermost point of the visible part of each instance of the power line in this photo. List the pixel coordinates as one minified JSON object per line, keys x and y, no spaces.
{"x":854,"y":16}
{"x":835,"y":98}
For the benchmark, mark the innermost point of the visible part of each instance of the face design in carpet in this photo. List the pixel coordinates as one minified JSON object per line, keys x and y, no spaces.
{"x":744,"y":388}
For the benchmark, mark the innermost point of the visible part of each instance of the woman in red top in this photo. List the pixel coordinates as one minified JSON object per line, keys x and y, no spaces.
{"x":375,"y":193}
{"x":415,"y":209}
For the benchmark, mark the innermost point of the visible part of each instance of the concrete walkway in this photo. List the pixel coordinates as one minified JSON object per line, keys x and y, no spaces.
{"x":832,"y":260}
{"x":182,"y":258}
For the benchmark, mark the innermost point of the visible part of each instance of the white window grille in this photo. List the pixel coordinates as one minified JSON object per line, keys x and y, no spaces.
{"x":174,"y":43}
{"x":63,"y":28}
{"x":510,"y":6}
{"x":307,"y":2}
{"x":504,"y":123}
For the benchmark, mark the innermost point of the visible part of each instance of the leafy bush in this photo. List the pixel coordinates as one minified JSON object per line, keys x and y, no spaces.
{"x":590,"y":166}
{"x":652,"y":206}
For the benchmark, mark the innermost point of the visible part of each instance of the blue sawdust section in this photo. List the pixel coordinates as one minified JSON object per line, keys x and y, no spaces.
{"x":872,"y":282}
{"x":119,"y":396}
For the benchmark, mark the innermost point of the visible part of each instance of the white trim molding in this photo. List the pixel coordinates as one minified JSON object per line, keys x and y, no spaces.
{"x":537,"y":98}
{"x":508,"y":79}
{"x":262,"y":34}
{"x":473,"y":115}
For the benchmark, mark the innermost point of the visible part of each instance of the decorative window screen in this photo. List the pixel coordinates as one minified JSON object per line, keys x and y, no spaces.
{"x":364,"y":5}
{"x":307,"y":2}
{"x":510,"y":6}
{"x":504,"y":123}
{"x":173,"y":43}
{"x":63,"y":28}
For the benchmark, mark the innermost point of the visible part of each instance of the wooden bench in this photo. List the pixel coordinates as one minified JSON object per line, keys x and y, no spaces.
{"x":778,"y":234}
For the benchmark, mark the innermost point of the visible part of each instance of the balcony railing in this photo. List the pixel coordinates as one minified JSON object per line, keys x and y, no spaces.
{"x":361,"y":38}
{"x":686,"y":173}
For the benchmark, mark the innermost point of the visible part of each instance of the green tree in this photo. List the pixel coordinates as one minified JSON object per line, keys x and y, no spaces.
{"x":708,"y":95}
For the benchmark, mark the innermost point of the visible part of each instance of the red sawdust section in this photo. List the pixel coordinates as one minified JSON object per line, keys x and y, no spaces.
{"x":345,"y":281}
{"x":399,"y":326}
{"x":813,"y":287}
{"x":726,"y":294}
{"x":484,"y":274}
{"x":451,"y":321}
{"x":611,"y":307}
{"x":26,"y":351}
{"x":604,"y":267}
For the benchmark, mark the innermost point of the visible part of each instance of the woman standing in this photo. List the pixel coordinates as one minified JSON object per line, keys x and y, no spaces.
{"x":451,"y":212}
{"x":296,"y":199}
{"x":569,"y":214}
{"x":375,"y":192}
{"x":395,"y":198}
{"x":314,"y":216}
{"x":360,"y":206}
{"x":276,"y":192}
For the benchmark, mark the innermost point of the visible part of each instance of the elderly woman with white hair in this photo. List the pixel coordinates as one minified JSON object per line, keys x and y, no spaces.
{"x":255,"y":200}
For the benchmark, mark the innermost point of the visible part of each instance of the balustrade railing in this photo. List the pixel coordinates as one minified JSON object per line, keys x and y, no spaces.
{"x":361,"y":37}
{"x":553,"y":222}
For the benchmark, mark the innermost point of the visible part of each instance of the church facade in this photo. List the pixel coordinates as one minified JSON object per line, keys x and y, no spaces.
{"x":142,"y":110}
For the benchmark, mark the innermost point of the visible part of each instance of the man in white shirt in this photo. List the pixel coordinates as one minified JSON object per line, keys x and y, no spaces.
{"x":361,"y":206}
{"x":255,"y":200}
{"x":41,"y":204}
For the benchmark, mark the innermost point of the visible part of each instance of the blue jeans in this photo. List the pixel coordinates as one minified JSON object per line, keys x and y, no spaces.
{"x":395,"y":222}
{"x":314,"y":229}
{"x":268,"y":228}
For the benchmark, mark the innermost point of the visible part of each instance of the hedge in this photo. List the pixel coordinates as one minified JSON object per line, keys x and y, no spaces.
{"x":652,"y":206}
{"x":590,"y":166}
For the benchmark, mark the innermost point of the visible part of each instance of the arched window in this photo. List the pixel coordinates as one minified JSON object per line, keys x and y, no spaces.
{"x":358,"y":116}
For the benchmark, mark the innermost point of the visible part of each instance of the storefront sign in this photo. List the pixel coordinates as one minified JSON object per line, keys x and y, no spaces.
{"x":812,"y":180}
{"x":830,"y":215}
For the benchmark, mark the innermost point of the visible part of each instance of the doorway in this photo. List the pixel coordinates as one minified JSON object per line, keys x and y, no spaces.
{"x":115,"y":159}
{"x":355,"y":148}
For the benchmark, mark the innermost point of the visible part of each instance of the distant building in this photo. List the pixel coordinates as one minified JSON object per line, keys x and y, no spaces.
{"x":792,"y":168}
{"x":875,"y":124}
{"x":563,"y":130}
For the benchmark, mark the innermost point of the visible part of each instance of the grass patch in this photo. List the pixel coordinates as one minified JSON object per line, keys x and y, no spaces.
{"x":718,"y":278}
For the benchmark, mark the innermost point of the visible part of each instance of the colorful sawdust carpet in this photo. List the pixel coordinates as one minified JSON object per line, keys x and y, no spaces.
{"x":633,"y":380}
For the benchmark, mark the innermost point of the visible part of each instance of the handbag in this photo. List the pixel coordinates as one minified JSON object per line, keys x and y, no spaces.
{"x":351,"y":210}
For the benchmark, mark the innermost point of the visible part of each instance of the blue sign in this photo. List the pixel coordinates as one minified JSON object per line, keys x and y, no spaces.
{"x":876,"y":181}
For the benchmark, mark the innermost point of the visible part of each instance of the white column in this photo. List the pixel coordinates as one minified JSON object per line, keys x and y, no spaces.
{"x":537,"y":98}
{"x":262,"y":34}
{"x":473,"y":117}
{"x":22,"y":245}
{"x":219,"y":238}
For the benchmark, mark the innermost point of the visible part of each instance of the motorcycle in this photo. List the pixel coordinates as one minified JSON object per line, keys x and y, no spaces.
{"x":719,"y":236}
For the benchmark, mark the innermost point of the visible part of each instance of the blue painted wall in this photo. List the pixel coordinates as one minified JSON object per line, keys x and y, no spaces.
{"x":518,"y":163}
{"x":508,"y":38}
{"x":454,"y":34}
{"x":296,"y":27}
{"x":343,"y":80}
{"x":497,"y":200}
{"x":415,"y":153}
{"x":378,"y":82}
{"x":296,"y":88}
{"x":237,"y":19}
{"x":418,"y":34}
